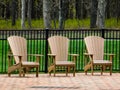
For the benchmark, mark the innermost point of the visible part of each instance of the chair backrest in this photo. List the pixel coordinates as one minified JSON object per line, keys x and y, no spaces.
{"x":59,"y":46}
{"x":95,"y":46}
{"x":18,"y":46}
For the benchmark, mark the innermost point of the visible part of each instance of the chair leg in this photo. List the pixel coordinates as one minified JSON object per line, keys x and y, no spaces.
{"x":92,"y":69}
{"x":9,"y":74}
{"x":24,"y":71}
{"x":85,"y":72}
{"x":110,"y":69}
{"x":102,"y":70}
{"x":67,"y":71}
{"x":73,"y":71}
{"x":23,"y":74}
{"x":49,"y":73}
{"x":54,"y":71}
{"x":37,"y":70}
{"x":20,"y":72}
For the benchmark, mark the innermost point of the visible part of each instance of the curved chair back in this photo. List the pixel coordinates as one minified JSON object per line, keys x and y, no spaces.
{"x":18,"y":47}
{"x":95,"y":46}
{"x":59,"y":46}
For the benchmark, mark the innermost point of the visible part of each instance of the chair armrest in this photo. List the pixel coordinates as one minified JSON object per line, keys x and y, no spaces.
{"x":11,"y":55}
{"x":37,"y":56}
{"x":52,"y":57}
{"x":74,"y":54}
{"x":74,"y":57}
{"x":51,"y":54}
{"x":110,"y":55}
{"x":88,"y":54}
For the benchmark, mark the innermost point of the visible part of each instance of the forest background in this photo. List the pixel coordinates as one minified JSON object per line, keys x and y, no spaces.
{"x":59,"y":14}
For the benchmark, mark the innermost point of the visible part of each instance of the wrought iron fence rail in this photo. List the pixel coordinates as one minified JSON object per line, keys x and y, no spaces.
{"x":37,"y":43}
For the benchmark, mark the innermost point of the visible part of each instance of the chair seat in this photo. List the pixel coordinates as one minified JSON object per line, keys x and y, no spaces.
{"x":30,"y":64}
{"x":62,"y":63}
{"x":102,"y":62}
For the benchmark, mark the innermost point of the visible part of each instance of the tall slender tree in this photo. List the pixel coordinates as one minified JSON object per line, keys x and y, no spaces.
{"x":93,"y":15}
{"x":13,"y":12}
{"x":23,"y":14}
{"x":101,"y":14}
{"x":108,"y":9}
{"x":78,"y":9}
{"x":46,"y":14}
{"x":61,"y":17}
{"x":29,"y":13}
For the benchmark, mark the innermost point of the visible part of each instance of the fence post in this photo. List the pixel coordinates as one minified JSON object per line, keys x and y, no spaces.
{"x":103,"y":32}
{"x":46,"y":50}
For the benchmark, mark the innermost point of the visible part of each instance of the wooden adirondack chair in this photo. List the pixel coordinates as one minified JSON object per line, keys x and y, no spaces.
{"x":59,"y":54}
{"x":95,"y":53}
{"x":18,"y":47}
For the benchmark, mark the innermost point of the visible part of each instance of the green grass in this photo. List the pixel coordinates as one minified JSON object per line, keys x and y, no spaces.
{"x":6,"y":24}
{"x":112,"y":23}
{"x":69,"y":24}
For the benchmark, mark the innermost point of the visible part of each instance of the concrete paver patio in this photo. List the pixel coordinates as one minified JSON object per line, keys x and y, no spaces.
{"x":61,"y":82}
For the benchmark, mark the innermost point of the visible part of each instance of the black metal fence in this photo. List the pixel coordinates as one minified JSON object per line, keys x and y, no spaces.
{"x":37,"y":44}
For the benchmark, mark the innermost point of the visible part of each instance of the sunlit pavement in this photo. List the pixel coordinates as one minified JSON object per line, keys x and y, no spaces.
{"x":61,"y":82}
